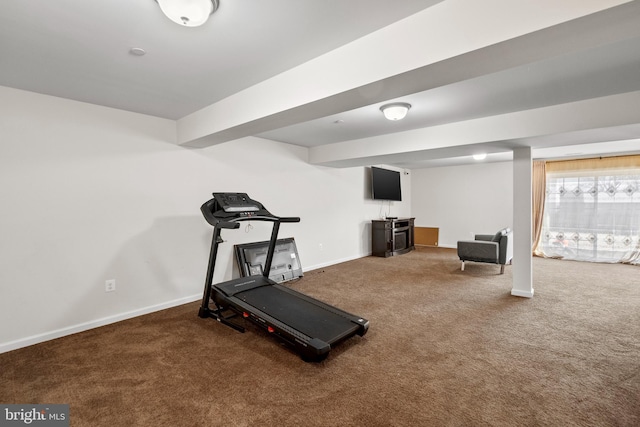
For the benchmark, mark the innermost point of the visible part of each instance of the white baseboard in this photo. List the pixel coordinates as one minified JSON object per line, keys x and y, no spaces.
{"x":437,"y":246}
{"x":333,"y":262}
{"x":524,"y":294}
{"x":70,"y":330}
{"x":47,"y":336}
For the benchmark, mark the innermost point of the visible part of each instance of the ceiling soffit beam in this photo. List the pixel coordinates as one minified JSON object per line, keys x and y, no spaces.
{"x":374,"y":68}
{"x":572,"y":123}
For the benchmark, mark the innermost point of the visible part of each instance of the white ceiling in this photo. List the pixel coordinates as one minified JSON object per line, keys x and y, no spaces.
{"x":80,"y":51}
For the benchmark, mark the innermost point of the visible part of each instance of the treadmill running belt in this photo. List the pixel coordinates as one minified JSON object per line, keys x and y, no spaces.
{"x":310,"y":319}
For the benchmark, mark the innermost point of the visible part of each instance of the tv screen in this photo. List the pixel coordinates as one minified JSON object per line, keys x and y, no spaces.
{"x":385,"y":184}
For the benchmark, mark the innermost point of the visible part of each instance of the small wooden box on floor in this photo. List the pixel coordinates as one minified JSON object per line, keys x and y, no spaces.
{"x":391,"y":237}
{"x":427,"y":236}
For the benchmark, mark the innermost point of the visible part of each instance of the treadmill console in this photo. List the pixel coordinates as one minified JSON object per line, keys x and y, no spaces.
{"x":236,"y":203}
{"x":229,"y":207}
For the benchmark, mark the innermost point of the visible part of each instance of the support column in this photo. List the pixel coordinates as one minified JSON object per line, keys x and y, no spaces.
{"x":522,"y":222}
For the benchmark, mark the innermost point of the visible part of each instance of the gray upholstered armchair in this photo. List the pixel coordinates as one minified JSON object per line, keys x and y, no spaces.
{"x":492,"y":248}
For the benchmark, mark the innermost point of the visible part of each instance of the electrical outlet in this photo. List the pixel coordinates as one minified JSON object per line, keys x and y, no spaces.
{"x":320,"y":246}
{"x":110,"y":285}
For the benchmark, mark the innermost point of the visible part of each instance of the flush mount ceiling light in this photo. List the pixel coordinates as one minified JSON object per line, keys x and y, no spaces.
{"x":480,"y":156}
{"x":137,"y":51}
{"x":188,"y":13}
{"x":395,"y":111}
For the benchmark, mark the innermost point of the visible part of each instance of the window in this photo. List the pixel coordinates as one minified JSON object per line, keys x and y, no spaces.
{"x":592,"y":213}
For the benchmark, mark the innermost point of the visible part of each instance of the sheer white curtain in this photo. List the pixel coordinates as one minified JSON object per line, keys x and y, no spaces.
{"x":592,"y":211}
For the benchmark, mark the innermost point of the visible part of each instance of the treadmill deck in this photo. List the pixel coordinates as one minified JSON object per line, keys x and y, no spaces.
{"x":313,"y":319}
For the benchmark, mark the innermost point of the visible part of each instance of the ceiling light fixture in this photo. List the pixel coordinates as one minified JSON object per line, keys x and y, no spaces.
{"x":188,"y":13}
{"x":395,"y":111}
{"x":137,"y":51}
{"x":480,"y":156}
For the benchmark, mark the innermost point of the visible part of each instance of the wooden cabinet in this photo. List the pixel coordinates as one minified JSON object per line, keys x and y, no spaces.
{"x":391,"y":237}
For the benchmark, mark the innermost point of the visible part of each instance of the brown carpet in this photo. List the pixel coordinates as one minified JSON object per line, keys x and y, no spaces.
{"x":445,"y":348}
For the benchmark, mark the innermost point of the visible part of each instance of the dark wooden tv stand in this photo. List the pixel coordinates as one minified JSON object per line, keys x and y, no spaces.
{"x":391,"y":237}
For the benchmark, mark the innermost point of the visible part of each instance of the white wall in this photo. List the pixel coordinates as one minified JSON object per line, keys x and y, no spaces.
{"x":463,"y":200}
{"x":91,"y":193}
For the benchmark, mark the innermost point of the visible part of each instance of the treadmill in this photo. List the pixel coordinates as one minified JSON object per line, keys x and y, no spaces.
{"x":311,"y":327}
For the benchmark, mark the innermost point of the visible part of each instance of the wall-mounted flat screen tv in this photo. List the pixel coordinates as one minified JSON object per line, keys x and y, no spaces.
{"x":385,"y":184}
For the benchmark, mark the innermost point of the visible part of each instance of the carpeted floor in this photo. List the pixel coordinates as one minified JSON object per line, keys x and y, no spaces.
{"x":445,"y":348}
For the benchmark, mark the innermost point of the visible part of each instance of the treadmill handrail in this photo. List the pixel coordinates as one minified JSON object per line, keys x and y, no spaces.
{"x":227,"y":224}
{"x":266,"y":218}
{"x":289,"y":219}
